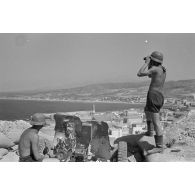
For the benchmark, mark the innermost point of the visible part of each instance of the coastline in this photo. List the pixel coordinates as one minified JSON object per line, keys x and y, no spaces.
{"x":72,"y":101}
{"x":21,"y":109}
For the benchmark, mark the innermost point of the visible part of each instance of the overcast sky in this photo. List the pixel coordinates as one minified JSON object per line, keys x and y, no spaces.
{"x":49,"y":61}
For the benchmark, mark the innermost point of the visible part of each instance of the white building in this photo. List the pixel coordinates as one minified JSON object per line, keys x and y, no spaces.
{"x":138,"y":130}
{"x":116,"y":132}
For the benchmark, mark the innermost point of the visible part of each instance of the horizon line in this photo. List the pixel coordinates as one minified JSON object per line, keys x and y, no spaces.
{"x":85,"y":85}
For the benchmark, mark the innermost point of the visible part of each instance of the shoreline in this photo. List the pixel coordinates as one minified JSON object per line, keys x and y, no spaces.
{"x":53,"y":106}
{"x":72,"y":101}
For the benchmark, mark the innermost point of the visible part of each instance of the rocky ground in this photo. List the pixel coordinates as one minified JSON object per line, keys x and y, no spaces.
{"x":179,"y":139}
{"x":10,"y":133}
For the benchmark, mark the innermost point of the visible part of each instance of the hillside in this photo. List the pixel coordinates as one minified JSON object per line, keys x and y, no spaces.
{"x":111,"y":90}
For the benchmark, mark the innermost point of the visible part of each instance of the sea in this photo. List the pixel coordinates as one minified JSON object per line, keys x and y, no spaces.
{"x":11,"y":110}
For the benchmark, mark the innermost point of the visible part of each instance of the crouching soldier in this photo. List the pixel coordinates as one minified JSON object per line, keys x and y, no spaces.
{"x":29,"y":140}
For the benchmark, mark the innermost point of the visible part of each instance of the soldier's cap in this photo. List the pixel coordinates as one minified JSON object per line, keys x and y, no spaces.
{"x":38,"y":119}
{"x":157,"y":56}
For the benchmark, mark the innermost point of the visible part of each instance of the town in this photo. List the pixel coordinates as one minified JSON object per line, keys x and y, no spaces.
{"x":133,"y":121}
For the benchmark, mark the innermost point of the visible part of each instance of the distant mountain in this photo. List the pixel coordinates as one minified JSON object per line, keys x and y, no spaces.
{"x":123,"y":90}
{"x":180,"y":88}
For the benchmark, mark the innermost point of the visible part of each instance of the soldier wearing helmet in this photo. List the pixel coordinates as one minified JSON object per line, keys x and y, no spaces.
{"x":29,"y":140}
{"x":155,"y":99}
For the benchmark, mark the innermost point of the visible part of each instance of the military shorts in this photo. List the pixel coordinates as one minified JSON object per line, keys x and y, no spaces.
{"x":154,"y":102}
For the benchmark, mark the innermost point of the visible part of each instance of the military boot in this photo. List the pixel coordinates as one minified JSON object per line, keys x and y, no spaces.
{"x":159,"y":145}
{"x":150,"y":132}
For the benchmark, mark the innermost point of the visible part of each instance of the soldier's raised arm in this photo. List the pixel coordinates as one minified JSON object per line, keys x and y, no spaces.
{"x":146,"y":70}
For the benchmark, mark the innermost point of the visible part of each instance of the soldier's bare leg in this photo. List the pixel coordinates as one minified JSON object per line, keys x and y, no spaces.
{"x":159,"y":134}
{"x":156,"y":122}
{"x":150,"y":126}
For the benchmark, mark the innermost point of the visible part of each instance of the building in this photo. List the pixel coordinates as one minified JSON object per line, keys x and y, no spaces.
{"x":134,"y":116}
{"x":138,"y":130}
{"x":116,"y":132}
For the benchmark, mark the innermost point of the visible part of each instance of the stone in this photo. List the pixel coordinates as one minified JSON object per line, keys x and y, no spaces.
{"x":14,"y":135}
{"x":10,"y":157}
{"x":3,"y":152}
{"x":15,"y":147}
{"x":163,"y":157}
{"x":5,"y":142}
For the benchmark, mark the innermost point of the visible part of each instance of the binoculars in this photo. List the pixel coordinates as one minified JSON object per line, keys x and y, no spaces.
{"x":145,"y":58}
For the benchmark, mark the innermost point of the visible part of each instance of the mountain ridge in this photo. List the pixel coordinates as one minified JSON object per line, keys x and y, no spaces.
{"x":171,"y":88}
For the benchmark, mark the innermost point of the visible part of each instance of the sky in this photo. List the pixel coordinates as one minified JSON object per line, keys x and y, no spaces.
{"x":57,"y":61}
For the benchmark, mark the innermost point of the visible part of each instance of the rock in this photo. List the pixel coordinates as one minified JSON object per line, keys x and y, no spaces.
{"x":14,"y":135}
{"x":50,"y":160}
{"x":10,"y":157}
{"x":164,"y":157}
{"x":13,"y":130}
{"x":155,"y":158}
{"x":15,"y":147}
{"x":7,"y":126}
{"x":5,"y":142}
{"x":3,"y":152}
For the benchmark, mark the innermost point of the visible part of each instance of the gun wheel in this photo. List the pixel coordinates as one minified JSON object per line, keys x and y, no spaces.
{"x":122,"y":152}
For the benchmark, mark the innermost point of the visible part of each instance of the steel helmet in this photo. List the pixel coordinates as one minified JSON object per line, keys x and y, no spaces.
{"x":38,"y":119}
{"x":157,"y":56}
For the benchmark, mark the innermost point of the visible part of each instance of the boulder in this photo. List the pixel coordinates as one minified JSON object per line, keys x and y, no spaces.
{"x":3,"y":152}
{"x":13,"y":130}
{"x":10,"y":157}
{"x":5,"y":142}
{"x":14,"y":135}
{"x":158,"y":157}
{"x":7,"y":126}
{"x":15,"y":147}
{"x":167,"y":156}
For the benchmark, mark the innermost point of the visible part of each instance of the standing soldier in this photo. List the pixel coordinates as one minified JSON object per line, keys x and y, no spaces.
{"x":155,"y":99}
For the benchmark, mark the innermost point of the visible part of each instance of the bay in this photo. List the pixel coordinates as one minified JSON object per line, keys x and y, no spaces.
{"x":23,"y":109}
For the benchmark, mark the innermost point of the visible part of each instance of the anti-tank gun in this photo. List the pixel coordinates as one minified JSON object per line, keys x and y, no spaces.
{"x":67,"y":133}
{"x":75,"y":141}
